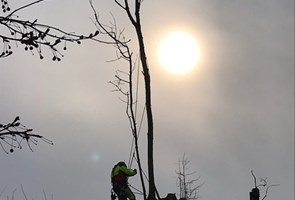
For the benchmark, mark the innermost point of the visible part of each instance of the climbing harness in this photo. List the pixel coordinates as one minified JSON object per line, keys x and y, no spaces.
{"x":118,"y":191}
{"x":113,"y":195}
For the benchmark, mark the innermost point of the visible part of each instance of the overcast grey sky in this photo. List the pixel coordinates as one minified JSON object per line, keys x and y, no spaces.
{"x":232,"y":114}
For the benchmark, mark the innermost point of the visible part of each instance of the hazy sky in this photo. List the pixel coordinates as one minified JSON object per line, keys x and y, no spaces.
{"x":232,"y":114}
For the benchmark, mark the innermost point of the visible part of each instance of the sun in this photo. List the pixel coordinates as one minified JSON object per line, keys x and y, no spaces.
{"x":179,"y":52}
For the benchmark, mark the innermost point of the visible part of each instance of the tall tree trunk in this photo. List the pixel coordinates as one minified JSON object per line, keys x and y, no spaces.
{"x":135,"y":20}
{"x":150,"y":133}
{"x":133,"y":121}
{"x":147,"y":81}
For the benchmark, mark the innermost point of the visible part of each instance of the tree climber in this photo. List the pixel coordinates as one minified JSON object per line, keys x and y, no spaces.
{"x":120,"y":174}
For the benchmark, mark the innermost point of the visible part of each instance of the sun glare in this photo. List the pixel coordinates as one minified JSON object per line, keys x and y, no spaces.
{"x":179,"y":52}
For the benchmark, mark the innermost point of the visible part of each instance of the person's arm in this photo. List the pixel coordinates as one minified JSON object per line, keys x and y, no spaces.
{"x":128,"y":172}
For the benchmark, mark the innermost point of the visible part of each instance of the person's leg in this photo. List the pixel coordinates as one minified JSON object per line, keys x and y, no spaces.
{"x":119,"y":189}
{"x":122,"y":198}
{"x":129,"y":193}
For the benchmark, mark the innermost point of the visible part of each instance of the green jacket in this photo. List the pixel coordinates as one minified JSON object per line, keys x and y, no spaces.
{"x":117,"y":169}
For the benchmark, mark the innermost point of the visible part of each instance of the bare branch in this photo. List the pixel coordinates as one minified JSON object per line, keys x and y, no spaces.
{"x":23,"y":7}
{"x":254,"y":178}
{"x":119,"y":4}
{"x":12,"y":197}
{"x":266,"y":191}
{"x":14,"y":133}
{"x":23,"y":191}
{"x":255,"y":193}
{"x":45,"y":197}
{"x":33,"y":36}
{"x":116,"y":37}
{"x":263,"y":182}
{"x":187,"y":188}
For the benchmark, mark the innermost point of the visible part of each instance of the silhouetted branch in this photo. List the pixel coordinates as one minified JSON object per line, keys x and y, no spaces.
{"x":20,"y":8}
{"x":187,"y":187}
{"x":116,"y":38}
{"x":266,"y":191}
{"x":112,"y":35}
{"x":263,"y":184}
{"x":32,"y":35}
{"x":14,"y":133}
{"x":5,"y":6}
{"x":23,"y":193}
{"x":255,"y":182}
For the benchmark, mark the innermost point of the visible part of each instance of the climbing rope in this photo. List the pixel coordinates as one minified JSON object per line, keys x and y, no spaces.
{"x":137,"y":84}
{"x":132,"y":150}
{"x":142,"y":171}
{"x":139,"y":192}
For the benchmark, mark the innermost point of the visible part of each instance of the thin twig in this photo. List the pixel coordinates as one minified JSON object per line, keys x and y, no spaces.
{"x":25,"y":6}
{"x":23,"y":191}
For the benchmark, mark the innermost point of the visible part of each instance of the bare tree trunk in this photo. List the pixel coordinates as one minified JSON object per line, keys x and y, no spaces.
{"x":150,"y":133}
{"x":147,"y":81}
{"x":135,"y":20}
{"x":133,"y":124}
